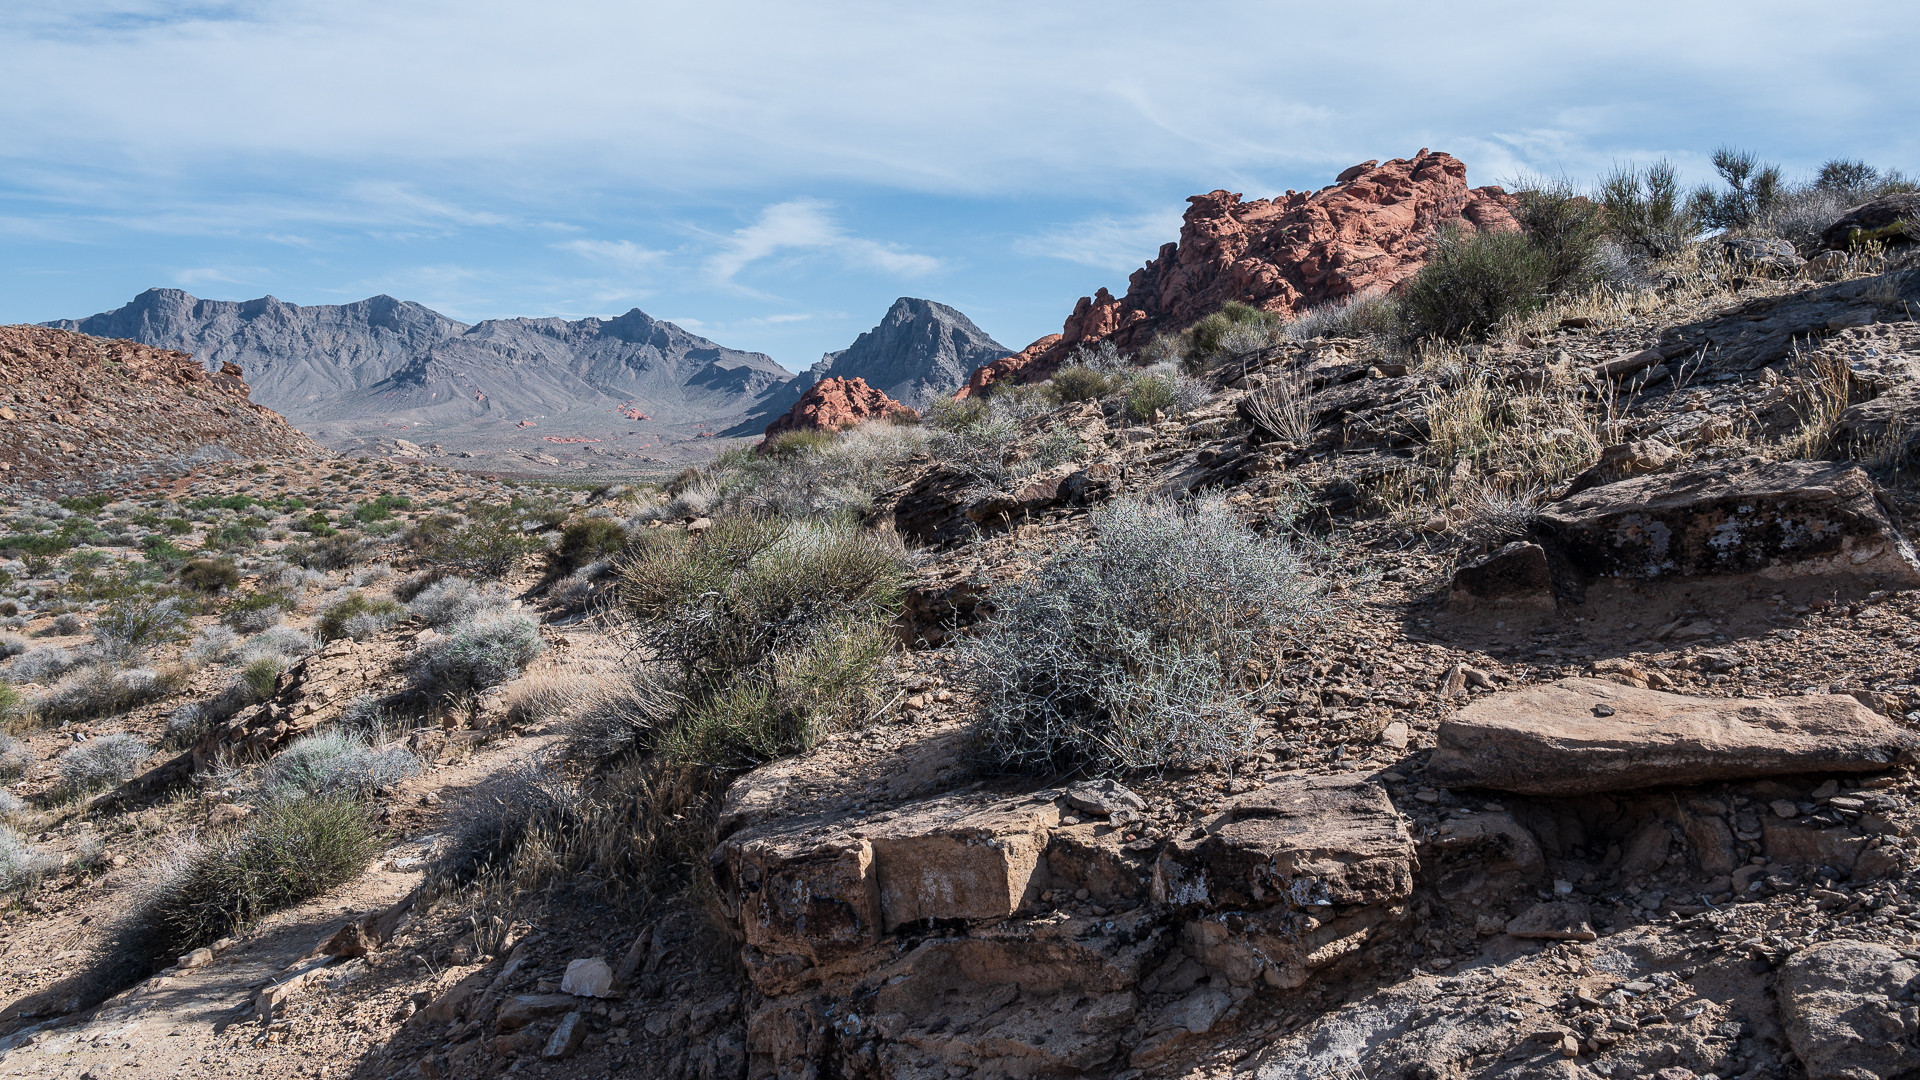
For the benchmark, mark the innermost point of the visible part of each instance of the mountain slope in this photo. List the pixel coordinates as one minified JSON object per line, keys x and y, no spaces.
{"x":297,"y":358}
{"x":920,"y":350}
{"x":79,"y":413}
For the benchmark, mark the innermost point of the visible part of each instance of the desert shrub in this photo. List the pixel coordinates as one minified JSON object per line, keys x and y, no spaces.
{"x":1645,"y":211}
{"x":1077,"y":383}
{"x":838,"y":474}
{"x":411,"y":586}
{"x":1148,"y":397}
{"x":99,"y":690}
{"x":975,"y":437}
{"x":789,"y":444}
{"x":357,"y":615}
{"x":491,"y":545}
{"x":1282,"y":409}
{"x":15,"y":758}
{"x":1213,"y":335}
{"x":281,"y":640}
{"x":549,"y":695}
{"x":211,"y":645}
{"x":381,"y":508}
{"x":261,"y":675}
{"x":336,"y":763}
{"x":337,"y":552}
{"x":288,"y":851}
{"x":583,"y":541}
{"x":1354,"y":317}
{"x":623,"y":718}
{"x":1497,"y":514}
{"x":370,"y":573}
{"x":497,"y":819}
{"x":11,"y":805}
{"x":1752,"y":192}
{"x":1129,"y":650}
{"x":1471,"y":282}
{"x":482,"y":652}
{"x":256,"y":611}
{"x":103,"y":760}
{"x":12,"y":645}
{"x":67,"y":624}
{"x":43,"y":662}
{"x":20,"y":865}
{"x":751,"y":619}
{"x":129,"y":629}
{"x":1565,"y":229}
{"x":450,"y":600}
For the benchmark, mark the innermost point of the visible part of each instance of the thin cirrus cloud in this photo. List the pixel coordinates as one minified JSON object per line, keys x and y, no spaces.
{"x":802,"y":227}
{"x":1104,"y":242}
{"x":621,"y":254}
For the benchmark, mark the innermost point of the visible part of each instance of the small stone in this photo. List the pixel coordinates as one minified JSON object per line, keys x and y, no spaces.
{"x":566,"y":1037}
{"x":1603,"y":709}
{"x":1394,"y":736}
{"x":1101,"y":798}
{"x":1784,"y":808}
{"x":1554,"y":921}
{"x":197,"y":958}
{"x":227,"y":814}
{"x":589,"y":977}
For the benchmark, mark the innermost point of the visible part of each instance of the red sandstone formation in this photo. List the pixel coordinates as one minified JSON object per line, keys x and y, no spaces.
{"x":833,"y":404}
{"x":1365,"y":233}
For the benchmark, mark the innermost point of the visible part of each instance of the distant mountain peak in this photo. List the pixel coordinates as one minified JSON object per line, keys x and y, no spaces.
{"x":920,"y":350}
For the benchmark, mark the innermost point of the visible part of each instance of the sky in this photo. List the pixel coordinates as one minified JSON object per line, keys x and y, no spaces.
{"x":774,"y":175}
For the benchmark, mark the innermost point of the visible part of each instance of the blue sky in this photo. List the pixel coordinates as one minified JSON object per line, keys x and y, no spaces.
{"x":773,"y":175}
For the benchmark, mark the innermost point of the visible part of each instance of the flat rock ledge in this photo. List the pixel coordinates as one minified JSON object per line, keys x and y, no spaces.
{"x":1588,"y":736}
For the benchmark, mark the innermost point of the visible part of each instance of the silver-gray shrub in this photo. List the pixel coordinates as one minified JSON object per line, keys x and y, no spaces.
{"x":42,"y":663}
{"x":19,"y":863}
{"x":336,"y":763}
{"x":1130,"y":650}
{"x":480,"y":653}
{"x":15,"y":758}
{"x":129,"y":629}
{"x":12,"y":645}
{"x":284,"y":640}
{"x":212,"y":645}
{"x":100,"y":761}
{"x":99,"y":690}
{"x":451,"y":600}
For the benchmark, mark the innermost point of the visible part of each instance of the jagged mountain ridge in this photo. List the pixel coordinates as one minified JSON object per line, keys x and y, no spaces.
{"x":920,"y":350}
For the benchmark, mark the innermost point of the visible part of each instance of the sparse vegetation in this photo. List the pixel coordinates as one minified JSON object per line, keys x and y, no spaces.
{"x":102,"y":760}
{"x":336,"y":763}
{"x":1129,"y":650}
{"x":485,"y":651}
{"x":356,"y":615}
{"x":1471,"y":282}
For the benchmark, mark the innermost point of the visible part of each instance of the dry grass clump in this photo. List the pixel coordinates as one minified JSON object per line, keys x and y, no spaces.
{"x":551,"y":695}
{"x":288,"y":851}
{"x":20,"y":864}
{"x":1129,"y":651}
{"x":336,"y":763}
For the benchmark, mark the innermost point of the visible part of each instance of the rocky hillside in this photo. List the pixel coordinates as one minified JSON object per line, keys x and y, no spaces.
{"x":920,"y":350}
{"x":83,"y":414}
{"x":520,"y":394}
{"x":1366,"y":232}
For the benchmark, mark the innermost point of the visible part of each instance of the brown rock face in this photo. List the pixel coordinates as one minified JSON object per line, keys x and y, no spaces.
{"x":1587,"y":736}
{"x":1365,"y":233}
{"x":834,"y":404}
{"x":84,"y":413}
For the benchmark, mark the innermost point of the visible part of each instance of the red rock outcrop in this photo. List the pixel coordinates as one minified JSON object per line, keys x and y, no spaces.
{"x":1365,"y":233}
{"x":84,"y":413}
{"x":834,"y":404}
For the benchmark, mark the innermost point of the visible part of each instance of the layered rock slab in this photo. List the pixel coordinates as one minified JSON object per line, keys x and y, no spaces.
{"x":1773,"y":519}
{"x":1589,"y":736}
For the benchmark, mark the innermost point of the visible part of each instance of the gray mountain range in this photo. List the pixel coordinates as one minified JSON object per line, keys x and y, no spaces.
{"x":632,"y":387}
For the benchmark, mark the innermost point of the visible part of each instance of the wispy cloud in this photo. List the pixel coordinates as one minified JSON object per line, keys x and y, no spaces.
{"x":197,"y":276}
{"x":1108,"y":243}
{"x":624,"y":254}
{"x":803,"y":225}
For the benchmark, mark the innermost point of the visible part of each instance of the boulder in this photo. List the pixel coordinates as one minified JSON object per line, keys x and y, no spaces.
{"x":1870,"y":426}
{"x":833,"y":404}
{"x":1766,"y":254}
{"x":1363,"y":234}
{"x":1624,"y":461}
{"x":1585,"y":736}
{"x":1514,"y":576}
{"x":1848,"y":1010}
{"x":588,"y":977}
{"x":1774,"y":519}
{"x":1884,"y":219}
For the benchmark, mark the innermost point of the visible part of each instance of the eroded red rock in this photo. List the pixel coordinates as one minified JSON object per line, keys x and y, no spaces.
{"x":1365,"y":233}
{"x":836,"y":404}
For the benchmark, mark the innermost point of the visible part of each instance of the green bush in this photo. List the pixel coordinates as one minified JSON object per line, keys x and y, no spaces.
{"x":1646,"y":212}
{"x":382,"y":508}
{"x":357,"y":614}
{"x":261,"y":676}
{"x":789,"y":444}
{"x":1148,"y":396}
{"x":1471,"y":282}
{"x":256,"y":611}
{"x":209,"y":575}
{"x":164,"y":553}
{"x":583,"y":541}
{"x":1566,"y":228}
{"x":1076,"y":383}
{"x":1753,"y":191}
{"x":490,"y":545}
{"x":130,"y":628}
{"x":289,"y":851}
{"x":1130,"y":650}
